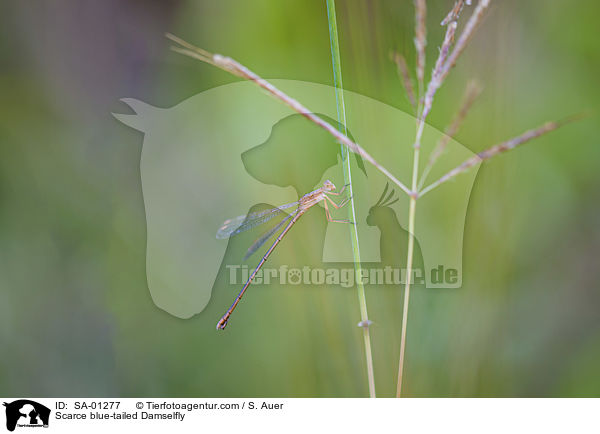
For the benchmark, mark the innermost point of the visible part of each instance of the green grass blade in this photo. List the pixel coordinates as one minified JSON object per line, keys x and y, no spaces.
{"x":341,"y":111}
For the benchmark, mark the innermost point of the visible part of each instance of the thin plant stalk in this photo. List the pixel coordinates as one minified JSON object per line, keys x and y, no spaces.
{"x":412,"y":210}
{"x":465,"y":37}
{"x":425,"y":102}
{"x":445,"y":62}
{"x":507,"y":145}
{"x":233,"y":67}
{"x":409,"y":263}
{"x":472,"y":92}
{"x":420,"y":41}
{"x":406,"y":80}
{"x":341,"y":114}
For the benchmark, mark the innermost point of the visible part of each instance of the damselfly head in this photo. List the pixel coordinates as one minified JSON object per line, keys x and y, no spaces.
{"x":328,"y":185}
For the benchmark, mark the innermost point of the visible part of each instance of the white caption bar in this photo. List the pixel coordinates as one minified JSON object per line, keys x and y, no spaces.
{"x":158,"y":415}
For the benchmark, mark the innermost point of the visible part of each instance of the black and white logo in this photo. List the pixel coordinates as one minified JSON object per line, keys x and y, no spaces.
{"x":26,"y":413}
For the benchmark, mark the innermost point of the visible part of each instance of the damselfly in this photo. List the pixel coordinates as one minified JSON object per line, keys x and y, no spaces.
{"x":245,"y":222}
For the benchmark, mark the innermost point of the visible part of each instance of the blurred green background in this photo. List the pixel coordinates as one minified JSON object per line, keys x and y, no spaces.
{"x":76,"y":317}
